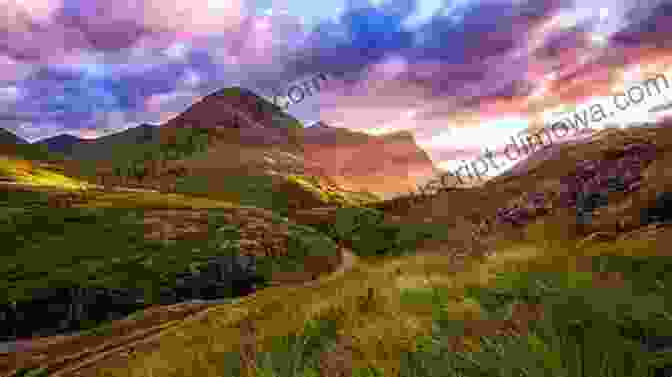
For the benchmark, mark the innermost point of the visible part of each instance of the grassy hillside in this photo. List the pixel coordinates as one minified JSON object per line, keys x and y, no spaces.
{"x":31,"y":172}
{"x":435,"y":288}
{"x":419,"y":315}
{"x":543,"y":298}
{"x":127,"y":255}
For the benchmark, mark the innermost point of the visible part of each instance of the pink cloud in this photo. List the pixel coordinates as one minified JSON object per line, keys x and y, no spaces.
{"x":193,"y":17}
{"x":11,"y":70}
{"x":16,"y":15}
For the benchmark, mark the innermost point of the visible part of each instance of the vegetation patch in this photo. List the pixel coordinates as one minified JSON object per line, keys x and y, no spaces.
{"x":255,"y":191}
{"x":586,"y":329}
{"x":26,"y":172}
{"x":64,"y":239}
{"x":365,"y":232}
{"x":292,"y":355}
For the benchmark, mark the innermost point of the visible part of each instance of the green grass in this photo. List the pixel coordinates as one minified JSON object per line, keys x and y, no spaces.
{"x":294,"y":355}
{"x":105,"y":247}
{"x":262,"y":191}
{"x":586,"y":331}
{"x":341,"y":198}
{"x":367,"y":234}
{"x":255,"y":191}
{"x":303,"y":241}
{"x":36,"y":152}
{"x":32,"y":372}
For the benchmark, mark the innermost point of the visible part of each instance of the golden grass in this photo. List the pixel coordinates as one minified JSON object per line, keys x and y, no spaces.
{"x":25,"y":172}
{"x":152,"y":200}
{"x":379,"y":330}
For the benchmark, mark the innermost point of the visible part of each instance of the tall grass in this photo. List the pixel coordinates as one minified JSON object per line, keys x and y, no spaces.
{"x":587,"y":330}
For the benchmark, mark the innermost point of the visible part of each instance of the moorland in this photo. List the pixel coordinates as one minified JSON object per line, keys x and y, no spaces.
{"x":263,"y":250}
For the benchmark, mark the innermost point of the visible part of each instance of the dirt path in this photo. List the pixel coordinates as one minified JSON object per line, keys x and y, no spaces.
{"x":81,"y":356}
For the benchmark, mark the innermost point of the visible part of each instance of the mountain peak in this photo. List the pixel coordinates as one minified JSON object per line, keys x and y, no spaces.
{"x":8,"y":137}
{"x":319,"y":124}
{"x":62,"y":143}
{"x":403,"y":134}
{"x":61,"y":137}
{"x":233,"y":91}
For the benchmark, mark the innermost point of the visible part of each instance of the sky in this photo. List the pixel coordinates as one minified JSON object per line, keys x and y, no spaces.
{"x":459,"y":74}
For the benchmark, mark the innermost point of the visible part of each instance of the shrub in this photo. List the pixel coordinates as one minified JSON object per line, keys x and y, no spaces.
{"x":367,"y":234}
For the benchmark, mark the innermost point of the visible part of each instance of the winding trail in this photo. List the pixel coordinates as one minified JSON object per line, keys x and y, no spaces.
{"x":69,"y":365}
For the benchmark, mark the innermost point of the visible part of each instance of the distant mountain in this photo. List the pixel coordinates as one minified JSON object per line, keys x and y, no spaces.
{"x":105,"y":147}
{"x":10,"y":144}
{"x":102,"y":147}
{"x":63,"y":143}
{"x":250,"y":135}
{"x":318,"y":124}
{"x":8,"y":137}
{"x":386,"y":165}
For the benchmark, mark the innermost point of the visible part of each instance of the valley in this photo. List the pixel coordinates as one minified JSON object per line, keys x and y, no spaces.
{"x":275,"y":252}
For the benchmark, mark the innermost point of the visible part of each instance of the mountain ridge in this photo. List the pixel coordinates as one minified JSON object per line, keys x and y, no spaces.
{"x":244,"y":131}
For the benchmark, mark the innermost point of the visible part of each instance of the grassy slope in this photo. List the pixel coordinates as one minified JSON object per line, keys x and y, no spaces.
{"x":382,"y":326}
{"x":124,"y":257}
{"x":388,"y":306}
{"x":29,"y":173}
{"x":37,"y":220}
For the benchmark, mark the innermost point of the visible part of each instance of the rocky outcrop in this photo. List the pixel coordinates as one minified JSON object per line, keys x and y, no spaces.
{"x":386,"y":165}
{"x":587,"y":188}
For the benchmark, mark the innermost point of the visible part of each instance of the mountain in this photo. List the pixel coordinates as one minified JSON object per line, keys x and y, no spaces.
{"x":626,"y":166}
{"x":102,"y":147}
{"x":11,"y":144}
{"x":105,"y":147}
{"x":251,"y":136}
{"x":386,"y":165}
{"x":247,"y":130}
{"x":539,"y":155}
{"x":238,"y":115}
{"x":317,"y":125}
{"x":7,"y":137}
{"x":63,"y":143}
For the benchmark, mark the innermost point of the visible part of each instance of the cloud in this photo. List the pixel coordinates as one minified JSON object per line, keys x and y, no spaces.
{"x":426,"y":66}
{"x":193,"y":16}
{"x":17,"y":15}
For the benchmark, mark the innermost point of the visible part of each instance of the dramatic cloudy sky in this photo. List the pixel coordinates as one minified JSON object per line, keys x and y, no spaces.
{"x":460,"y":74}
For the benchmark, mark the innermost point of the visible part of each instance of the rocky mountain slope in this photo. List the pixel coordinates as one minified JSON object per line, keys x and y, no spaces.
{"x":248,"y":133}
{"x":387,"y":165}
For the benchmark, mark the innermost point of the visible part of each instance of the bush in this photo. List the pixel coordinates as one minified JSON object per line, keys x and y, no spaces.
{"x":303,"y":241}
{"x":367,"y":234}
